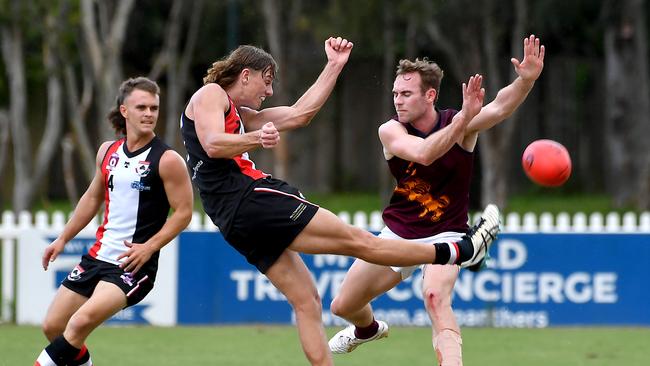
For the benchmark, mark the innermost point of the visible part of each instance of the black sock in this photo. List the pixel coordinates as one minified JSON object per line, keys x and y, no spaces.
{"x":460,"y":251}
{"x":443,"y":253}
{"x":466,"y":249}
{"x":367,"y":332}
{"x":61,"y":351}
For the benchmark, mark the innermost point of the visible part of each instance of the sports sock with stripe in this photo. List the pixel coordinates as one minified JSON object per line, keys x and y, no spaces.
{"x":58,"y":353}
{"x":453,"y":253}
{"x":83,"y":358}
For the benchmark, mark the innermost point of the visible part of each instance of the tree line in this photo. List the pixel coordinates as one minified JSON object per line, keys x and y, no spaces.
{"x":62,"y":62}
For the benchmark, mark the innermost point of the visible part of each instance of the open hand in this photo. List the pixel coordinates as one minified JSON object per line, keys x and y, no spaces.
{"x":533,"y":63}
{"x":473,"y":95}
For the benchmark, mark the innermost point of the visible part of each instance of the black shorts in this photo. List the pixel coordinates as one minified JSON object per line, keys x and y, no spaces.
{"x":268,"y":220}
{"x":84,"y":278}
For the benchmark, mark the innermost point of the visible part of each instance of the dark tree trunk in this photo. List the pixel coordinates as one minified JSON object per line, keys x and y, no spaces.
{"x":628,"y":103}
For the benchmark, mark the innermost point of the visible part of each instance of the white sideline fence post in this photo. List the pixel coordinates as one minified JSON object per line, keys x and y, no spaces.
{"x":11,"y":223}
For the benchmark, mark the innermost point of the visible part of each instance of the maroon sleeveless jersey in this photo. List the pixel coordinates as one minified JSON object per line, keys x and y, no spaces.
{"x":432,"y":199}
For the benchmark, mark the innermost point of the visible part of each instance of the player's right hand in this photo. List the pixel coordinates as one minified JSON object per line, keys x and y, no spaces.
{"x":338,"y":49}
{"x":51,"y":252}
{"x":269,"y":136}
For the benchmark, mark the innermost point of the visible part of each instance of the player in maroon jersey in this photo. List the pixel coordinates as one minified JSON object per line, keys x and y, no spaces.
{"x":267,"y":220}
{"x":429,"y":152}
{"x":137,"y":180}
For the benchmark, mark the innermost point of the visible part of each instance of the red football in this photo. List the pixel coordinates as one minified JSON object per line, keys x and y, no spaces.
{"x":547,"y":163}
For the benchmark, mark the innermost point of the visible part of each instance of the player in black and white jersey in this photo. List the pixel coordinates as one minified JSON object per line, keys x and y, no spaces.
{"x":138,"y":179}
{"x":267,"y":220}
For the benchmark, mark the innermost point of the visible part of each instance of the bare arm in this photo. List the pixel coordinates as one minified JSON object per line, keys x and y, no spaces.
{"x":208,"y":107}
{"x":84,"y":212}
{"x":301,"y":113}
{"x":511,"y":96}
{"x":397,"y":142}
{"x":178,"y":188}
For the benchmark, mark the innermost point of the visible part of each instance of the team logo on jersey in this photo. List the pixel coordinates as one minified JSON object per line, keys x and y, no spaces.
{"x":127,"y":163}
{"x":127,"y":278}
{"x":75,"y":274}
{"x":143,"y":169}
{"x":112,"y":161}
{"x":138,"y":186}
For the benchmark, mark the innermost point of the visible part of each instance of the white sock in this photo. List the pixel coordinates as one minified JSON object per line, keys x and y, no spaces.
{"x":44,"y":359}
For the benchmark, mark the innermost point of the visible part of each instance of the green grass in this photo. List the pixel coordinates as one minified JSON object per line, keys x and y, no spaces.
{"x":278,"y":345}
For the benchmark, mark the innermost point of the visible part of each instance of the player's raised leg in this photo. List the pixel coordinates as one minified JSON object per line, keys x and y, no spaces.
{"x":327,"y":234}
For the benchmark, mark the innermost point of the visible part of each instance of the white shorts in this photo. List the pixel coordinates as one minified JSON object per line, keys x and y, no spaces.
{"x":446,"y":237}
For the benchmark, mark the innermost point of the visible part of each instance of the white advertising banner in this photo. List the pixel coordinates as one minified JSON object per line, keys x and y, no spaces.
{"x":36,"y":288}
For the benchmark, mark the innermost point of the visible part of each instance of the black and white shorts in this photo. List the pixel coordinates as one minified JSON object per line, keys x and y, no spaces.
{"x":84,"y":278}
{"x":267,"y":221}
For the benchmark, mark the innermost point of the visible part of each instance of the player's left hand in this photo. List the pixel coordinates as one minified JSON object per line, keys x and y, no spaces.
{"x":533,"y":63}
{"x":473,"y":95}
{"x":338,"y":50}
{"x":136,"y":256}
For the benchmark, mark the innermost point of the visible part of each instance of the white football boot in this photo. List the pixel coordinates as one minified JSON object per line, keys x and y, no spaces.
{"x":345,"y":341}
{"x":482,"y":234}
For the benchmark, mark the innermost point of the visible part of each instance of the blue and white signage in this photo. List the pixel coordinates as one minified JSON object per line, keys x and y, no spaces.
{"x":534,"y":280}
{"x":36,"y":288}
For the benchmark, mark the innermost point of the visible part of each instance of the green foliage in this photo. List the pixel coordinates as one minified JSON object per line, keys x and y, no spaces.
{"x":546,"y":200}
{"x":278,"y":345}
{"x":347,"y":201}
{"x":537,"y":201}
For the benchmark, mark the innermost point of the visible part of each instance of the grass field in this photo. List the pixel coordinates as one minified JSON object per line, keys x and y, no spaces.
{"x":278,"y":346}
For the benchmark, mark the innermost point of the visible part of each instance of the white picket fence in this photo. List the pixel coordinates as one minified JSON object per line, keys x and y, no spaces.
{"x":12,"y":225}
{"x":612,"y":222}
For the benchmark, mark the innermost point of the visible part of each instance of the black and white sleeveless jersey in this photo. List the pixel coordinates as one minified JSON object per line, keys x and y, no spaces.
{"x":136,"y":204}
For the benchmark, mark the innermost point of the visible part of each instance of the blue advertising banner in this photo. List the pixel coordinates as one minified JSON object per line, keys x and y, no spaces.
{"x":533,"y":280}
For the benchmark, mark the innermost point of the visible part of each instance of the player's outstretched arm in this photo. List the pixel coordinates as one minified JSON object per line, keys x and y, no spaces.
{"x":511,"y":96}
{"x":398,"y":142}
{"x":84,"y":212}
{"x":301,"y":113}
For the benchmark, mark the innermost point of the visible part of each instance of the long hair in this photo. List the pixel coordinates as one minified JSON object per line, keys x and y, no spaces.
{"x":225,"y":71}
{"x":128,"y":86}
{"x":430,"y":73}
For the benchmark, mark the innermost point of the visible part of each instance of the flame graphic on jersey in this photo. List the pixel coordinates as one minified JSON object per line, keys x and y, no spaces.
{"x":417,"y":190}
